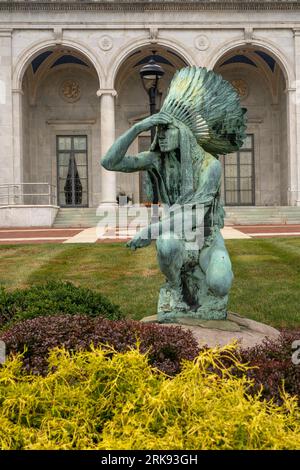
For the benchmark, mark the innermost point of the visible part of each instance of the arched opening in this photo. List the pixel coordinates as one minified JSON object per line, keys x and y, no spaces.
{"x":258,"y":173}
{"x":132,"y":105}
{"x":60,"y":128}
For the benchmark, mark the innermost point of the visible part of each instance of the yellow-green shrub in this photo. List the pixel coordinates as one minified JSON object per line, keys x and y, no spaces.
{"x":96,"y":400}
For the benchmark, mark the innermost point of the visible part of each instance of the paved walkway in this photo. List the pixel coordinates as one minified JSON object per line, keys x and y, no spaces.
{"x":267,"y":231}
{"x":89,"y":235}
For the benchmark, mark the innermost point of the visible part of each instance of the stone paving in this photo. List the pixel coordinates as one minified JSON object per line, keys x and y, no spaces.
{"x":89,"y":235}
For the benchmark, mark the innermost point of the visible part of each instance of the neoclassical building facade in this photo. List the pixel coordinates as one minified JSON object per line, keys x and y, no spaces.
{"x":70,"y":83}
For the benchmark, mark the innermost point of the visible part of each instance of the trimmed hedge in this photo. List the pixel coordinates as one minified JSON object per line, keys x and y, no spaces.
{"x":103,"y":400}
{"x":167,"y":346}
{"x":54,"y":298}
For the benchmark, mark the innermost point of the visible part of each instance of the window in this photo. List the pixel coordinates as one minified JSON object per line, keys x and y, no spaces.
{"x":239,"y":187}
{"x":72,"y":171}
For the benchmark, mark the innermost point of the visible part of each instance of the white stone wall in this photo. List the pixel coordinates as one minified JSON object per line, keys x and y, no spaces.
{"x":27,"y":216}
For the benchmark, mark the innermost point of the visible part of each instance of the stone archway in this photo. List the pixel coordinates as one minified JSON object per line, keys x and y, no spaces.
{"x":60,"y":126}
{"x":259,"y":173}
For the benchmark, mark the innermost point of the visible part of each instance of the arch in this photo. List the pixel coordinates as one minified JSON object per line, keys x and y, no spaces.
{"x":268,"y":120}
{"x":118,"y":60}
{"x":30,"y":53}
{"x":264,"y":44}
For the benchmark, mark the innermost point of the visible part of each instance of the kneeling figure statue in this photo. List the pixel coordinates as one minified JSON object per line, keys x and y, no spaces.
{"x":201,"y":118}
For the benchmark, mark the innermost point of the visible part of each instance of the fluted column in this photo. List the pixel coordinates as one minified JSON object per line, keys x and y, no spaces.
{"x":107,"y":117}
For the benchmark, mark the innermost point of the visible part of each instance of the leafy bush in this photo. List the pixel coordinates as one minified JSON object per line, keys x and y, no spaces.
{"x":52,"y":298}
{"x":167,"y":346}
{"x":99,"y":400}
{"x":273,"y":366}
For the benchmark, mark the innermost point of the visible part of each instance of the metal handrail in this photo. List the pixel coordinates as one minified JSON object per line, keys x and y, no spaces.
{"x":16,"y":194}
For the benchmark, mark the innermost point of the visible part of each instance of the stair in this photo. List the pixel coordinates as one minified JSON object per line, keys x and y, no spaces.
{"x":235,"y":215}
{"x":83,"y":217}
{"x":256,"y":215}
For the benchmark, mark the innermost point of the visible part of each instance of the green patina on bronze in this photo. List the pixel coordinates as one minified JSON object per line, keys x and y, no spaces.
{"x":200,"y":119}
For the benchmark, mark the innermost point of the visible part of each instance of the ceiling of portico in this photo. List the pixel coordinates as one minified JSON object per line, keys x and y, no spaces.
{"x":51,"y":60}
{"x":168,"y":59}
{"x":255,"y":60}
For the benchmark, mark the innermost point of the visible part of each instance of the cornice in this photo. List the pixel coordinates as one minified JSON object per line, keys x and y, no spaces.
{"x":147,"y":5}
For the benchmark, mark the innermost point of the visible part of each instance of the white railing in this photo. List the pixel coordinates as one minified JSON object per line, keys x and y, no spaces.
{"x":27,"y":194}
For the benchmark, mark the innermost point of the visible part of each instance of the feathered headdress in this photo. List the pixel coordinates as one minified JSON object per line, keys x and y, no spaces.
{"x":205,"y":107}
{"x":209,"y":106}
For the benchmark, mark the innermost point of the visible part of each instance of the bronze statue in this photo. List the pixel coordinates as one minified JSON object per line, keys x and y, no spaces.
{"x":200,"y":119}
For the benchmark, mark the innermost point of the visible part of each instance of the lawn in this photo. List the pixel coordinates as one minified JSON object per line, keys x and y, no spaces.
{"x":266,"y":285}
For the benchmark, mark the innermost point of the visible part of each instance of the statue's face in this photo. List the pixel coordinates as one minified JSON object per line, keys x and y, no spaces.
{"x":168,"y":138}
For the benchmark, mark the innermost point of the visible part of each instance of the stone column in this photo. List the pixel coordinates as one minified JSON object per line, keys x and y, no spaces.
{"x":107,"y":118}
{"x":17,"y":95}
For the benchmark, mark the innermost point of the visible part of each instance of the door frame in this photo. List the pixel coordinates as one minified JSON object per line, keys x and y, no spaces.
{"x":240,"y":151}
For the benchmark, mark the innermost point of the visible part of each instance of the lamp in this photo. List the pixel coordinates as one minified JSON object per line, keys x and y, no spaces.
{"x":150,"y":73}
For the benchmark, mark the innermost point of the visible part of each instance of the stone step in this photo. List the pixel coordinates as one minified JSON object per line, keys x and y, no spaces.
{"x":235,"y":215}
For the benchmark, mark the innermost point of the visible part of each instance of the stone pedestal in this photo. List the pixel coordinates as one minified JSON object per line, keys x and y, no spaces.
{"x":214,"y":333}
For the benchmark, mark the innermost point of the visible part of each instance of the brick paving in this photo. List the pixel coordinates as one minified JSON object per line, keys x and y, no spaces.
{"x":36,"y":235}
{"x":269,"y":231}
{"x":267,"y":228}
{"x":56,"y":235}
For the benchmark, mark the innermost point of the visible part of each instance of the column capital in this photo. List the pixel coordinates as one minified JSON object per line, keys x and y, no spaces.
{"x":290,"y":90}
{"x":18,"y":90}
{"x":296,"y":31}
{"x":106,"y":92}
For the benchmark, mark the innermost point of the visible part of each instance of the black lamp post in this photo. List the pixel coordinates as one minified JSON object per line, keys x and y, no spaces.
{"x":150,"y":74}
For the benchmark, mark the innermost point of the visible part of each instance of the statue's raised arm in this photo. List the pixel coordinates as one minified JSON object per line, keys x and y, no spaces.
{"x":116,"y":158}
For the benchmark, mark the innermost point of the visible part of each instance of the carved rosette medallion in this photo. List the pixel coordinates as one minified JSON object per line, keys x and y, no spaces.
{"x":202,"y":42}
{"x":105,"y":43}
{"x":241,"y":87}
{"x":70,"y":90}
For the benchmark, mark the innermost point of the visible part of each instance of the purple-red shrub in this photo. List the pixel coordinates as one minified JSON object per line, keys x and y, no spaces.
{"x":273,"y":366}
{"x":167,"y":346}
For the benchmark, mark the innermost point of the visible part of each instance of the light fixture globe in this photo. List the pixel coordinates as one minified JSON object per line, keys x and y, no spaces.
{"x":151,"y":71}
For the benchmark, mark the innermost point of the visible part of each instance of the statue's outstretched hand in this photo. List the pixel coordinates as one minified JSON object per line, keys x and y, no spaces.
{"x":139,"y":240}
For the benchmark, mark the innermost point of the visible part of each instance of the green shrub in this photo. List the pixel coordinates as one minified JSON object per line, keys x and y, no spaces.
{"x":99,"y":400}
{"x":53,"y":298}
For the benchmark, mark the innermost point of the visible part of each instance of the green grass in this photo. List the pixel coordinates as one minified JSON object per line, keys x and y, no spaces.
{"x":266,"y":285}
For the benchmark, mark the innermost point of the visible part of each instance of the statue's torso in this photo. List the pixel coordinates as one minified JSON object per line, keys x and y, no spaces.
{"x":169,"y":182}
{"x":171,"y":175}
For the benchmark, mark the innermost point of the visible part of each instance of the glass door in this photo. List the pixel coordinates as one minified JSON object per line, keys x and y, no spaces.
{"x":72,"y":171}
{"x":239,"y":182}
